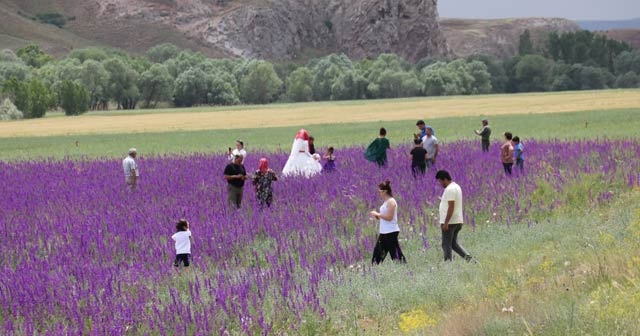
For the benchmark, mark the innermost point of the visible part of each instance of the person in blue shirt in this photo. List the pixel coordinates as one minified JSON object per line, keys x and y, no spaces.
{"x":519,"y":152}
{"x":423,"y":130}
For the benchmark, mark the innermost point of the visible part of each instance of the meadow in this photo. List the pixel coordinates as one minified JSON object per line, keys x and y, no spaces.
{"x":558,"y":244}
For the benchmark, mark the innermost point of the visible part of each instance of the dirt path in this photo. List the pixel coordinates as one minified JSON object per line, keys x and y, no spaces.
{"x":324,"y":113}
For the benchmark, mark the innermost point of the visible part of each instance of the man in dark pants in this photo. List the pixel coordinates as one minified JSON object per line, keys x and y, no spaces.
{"x":235,"y":174}
{"x":451,"y":217}
{"x":485,"y":133}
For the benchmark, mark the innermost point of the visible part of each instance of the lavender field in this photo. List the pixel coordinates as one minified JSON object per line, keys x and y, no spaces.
{"x":84,"y":255}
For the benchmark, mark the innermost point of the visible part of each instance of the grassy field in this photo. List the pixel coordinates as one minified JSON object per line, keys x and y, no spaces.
{"x":575,"y":125}
{"x":282,"y":115}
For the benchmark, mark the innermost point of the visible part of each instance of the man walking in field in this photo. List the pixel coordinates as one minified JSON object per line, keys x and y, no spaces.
{"x":430,"y":145}
{"x":131,"y":172}
{"x":485,"y":133}
{"x":451,"y":218}
{"x":235,"y":174}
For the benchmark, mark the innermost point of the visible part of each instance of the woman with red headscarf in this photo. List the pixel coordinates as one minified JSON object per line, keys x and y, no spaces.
{"x":300,"y":161}
{"x":262,"y":180}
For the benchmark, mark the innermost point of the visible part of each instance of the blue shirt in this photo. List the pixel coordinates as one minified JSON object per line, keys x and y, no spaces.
{"x":518,"y":151}
{"x":423,"y":132}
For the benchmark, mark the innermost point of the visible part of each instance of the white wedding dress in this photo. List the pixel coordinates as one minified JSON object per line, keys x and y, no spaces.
{"x":301,"y":162}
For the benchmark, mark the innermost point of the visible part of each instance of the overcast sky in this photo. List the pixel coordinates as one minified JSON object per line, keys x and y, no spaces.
{"x":570,"y":9}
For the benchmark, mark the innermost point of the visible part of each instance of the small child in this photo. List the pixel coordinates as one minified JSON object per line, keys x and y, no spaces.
{"x":418,"y":158}
{"x":183,"y":241}
{"x":519,"y":152}
{"x":330,"y":165}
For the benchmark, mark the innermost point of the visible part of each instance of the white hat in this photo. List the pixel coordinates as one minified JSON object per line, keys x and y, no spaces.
{"x":132,"y":150}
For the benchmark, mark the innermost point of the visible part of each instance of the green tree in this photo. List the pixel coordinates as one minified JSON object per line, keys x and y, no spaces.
{"x":627,"y":61}
{"x":156,"y":84}
{"x":96,"y":79}
{"x":74,"y":98}
{"x":123,"y":83}
{"x":8,"y":111}
{"x":190,"y":88}
{"x":40,"y":99}
{"x":525,"y":47}
{"x":300,"y":85}
{"x":628,"y":80}
{"x":162,"y":52}
{"x":261,"y":85}
{"x":13,"y":69}
{"x":496,"y":72}
{"x":222,"y":89}
{"x":349,"y":85}
{"x":185,"y":60}
{"x":32,"y":56}
{"x":325,"y":72}
{"x":532,"y":73}
{"x":91,"y":53}
{"x":18,"y":91}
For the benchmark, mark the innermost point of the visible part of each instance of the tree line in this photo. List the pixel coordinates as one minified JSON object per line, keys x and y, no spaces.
{"x":100,"y":78}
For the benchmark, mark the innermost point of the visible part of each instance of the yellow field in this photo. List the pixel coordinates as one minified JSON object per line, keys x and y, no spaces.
{"x":322,"y":113}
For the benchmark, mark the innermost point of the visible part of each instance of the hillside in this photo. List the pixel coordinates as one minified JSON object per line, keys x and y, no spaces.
{"x":631,"y":36}
{"x":499,"y":38}
{"x":608,"y":25}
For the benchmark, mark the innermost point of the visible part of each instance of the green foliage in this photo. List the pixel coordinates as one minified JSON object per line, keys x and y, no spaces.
{"x":32,"y":55}
{"x":525,"y":46}
{"x":627,"y":61}
{"x":585,"y":47}
{"x":326,"y":72}
{"x":8,"y":111}
{"x":532,"y":73}
{"x":456,"y":77}
{"x":389,"y":76}
{"x":40,"y":99}
{"x":96,"y":80}
{"x":299,"y":85}
{"x":74,"y":98}
{"x":123,"y":83}
{"x":628,"y":80}
{"x":18,"y":91}
{"x":349,"y":85}
{"x":162,"y":52}
{"x":156,"y":84}
{"x":13,"y":70}
{"x":55,"y":19}
{"x":190,"y":87}
{"x":91,"y":53}
{"x":261,"y":85}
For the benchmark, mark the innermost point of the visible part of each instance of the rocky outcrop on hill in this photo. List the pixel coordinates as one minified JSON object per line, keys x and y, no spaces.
{"x":283,"y":29}
{"x":499,"y":38}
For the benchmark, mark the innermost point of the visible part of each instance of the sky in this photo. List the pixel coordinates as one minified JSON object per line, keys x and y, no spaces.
{"x":570,"y":9}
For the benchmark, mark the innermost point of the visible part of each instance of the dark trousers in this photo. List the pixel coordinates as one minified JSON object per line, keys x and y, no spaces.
{"x":418,"y":169}
{"x":234,"y":196}
{"x":485,"y":146}
{"x":387,"y":243}
{"x":450,"y":242}
{"x":507,"y":167}
{"x":520,"y":164}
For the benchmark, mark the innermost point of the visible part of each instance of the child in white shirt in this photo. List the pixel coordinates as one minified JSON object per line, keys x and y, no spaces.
{"x":183,"y":241}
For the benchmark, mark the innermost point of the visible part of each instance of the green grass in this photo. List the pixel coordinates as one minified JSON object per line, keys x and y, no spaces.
{"x":574,"y":125}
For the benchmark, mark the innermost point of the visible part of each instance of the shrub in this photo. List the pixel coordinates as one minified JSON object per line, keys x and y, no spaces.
{"x":8,"y":111}
{"x":55,"y":19}
{"x":74,"y":98}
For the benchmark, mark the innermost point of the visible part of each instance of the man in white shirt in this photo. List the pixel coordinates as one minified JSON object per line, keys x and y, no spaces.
{"x":451,"y":218}
{"x":238,"y":151}
{"x":430,"y":144}
{"x":131,"y":172}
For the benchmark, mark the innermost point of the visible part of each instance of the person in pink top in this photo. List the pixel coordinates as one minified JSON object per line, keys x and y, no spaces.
{"x":506,"y":153}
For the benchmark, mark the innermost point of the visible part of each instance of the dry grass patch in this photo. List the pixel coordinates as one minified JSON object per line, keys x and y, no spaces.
{"x":323,"y":113}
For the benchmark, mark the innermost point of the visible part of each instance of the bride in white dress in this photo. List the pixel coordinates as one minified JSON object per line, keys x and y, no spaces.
{"x":300,"y":161}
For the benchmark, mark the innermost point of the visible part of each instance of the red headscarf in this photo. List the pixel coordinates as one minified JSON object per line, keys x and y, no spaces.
{"x":302,"y":134}
{"x":263,"y":166}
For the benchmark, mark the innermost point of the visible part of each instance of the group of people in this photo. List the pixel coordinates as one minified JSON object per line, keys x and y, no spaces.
{"x":304,"y":161}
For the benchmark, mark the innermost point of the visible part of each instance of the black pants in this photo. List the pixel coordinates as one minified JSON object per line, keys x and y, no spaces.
{"x":418,"y":169}
{"x":450,"y":242}
{"x":387,"y":243}
{"x":520,"y":164}
{"x":485,"y":146}
{"x":507,"y":167}
{"x":234,"y":196}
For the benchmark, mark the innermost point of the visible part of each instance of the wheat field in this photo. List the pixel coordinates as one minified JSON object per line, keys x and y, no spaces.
{"x":279,"y":115}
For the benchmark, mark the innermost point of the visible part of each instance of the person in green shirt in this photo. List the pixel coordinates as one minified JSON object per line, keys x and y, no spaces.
{"x":377,"y":150}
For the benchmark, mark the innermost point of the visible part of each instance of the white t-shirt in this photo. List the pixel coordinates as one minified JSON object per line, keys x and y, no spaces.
{"x":129,"y":163}
{"x":392,"y":225}
{"x":429,"y":144}
{"x":451,"y":193}
{"x":183,"y":243}
{"x":238,"y":152}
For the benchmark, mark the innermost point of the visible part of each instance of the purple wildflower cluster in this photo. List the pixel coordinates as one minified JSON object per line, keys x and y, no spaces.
{"x":82,"y":254}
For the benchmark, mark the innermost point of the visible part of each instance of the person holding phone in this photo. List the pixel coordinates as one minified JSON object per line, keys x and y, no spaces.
{"x":239,"y":150}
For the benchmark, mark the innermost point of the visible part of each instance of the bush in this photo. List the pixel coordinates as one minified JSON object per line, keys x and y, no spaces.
{"x":299,"y":85}
{"x":628,"y":80}
{"x":55,"y":19}
{"x":74,"y":98}
{"x":261,"y":85}
{"x":8,"y":111}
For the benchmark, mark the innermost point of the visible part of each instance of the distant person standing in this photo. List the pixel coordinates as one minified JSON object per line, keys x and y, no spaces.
{"x":131,"y":172}
{"x":330,"y":165}
{"x":506,"y":153}
{"x":519,"y":152}
{"x":239,"y":150}
{"x":262,"y":180}
{"x":451,"y":218}
{"x":422,"y":129}
{"x":377,"y":150}
{"x":485,"y":134}
{"x":430,"y":144}
{"x":235,"y":174}
{"x":418,"y":158}
{"x":388,"y":238}
{"x":312,"y":147}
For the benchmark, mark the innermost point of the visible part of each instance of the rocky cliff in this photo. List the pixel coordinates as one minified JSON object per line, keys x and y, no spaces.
{"x":283,"y":29}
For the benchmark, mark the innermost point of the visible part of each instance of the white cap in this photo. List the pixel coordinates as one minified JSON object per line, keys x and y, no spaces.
{"x":132,"y":150}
